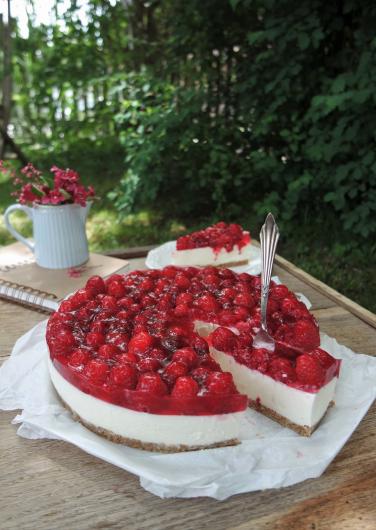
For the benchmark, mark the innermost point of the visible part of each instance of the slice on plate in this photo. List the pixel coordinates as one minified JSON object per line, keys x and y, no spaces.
{"x":163,"y":359}
{"x":218,"y":245}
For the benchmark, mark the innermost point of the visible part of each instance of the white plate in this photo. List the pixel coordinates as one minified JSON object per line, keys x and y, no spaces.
{"x":162,"y":256}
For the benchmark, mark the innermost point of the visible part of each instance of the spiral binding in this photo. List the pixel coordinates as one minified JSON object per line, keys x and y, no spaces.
{"x":33,"y":298}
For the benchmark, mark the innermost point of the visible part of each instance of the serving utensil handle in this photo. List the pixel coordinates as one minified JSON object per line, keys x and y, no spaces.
{"x":269,"y":236}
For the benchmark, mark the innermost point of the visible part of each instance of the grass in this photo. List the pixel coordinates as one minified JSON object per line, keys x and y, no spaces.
{"x":340,"y":265}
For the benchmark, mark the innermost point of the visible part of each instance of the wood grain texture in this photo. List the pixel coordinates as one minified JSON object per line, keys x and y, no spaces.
{"x":321,"y":287}
{"x":54,"y":485}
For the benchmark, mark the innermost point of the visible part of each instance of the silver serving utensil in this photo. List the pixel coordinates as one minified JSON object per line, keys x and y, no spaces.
{"x":269,"y":236}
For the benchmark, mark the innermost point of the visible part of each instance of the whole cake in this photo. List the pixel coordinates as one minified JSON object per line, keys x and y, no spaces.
{"x":163,"y":359}
{"x":218,"y":245}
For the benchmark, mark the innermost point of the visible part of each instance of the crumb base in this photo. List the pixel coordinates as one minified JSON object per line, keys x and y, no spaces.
{"x":232,"y":264}
{"x":303,"y":430}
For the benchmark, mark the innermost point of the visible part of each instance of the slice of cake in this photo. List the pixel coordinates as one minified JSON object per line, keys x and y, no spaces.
{"x":220,"y":244}
{"x":295,"y":390}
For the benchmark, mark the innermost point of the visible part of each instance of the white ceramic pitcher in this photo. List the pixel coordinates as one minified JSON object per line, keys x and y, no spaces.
{"x":59,"y":233}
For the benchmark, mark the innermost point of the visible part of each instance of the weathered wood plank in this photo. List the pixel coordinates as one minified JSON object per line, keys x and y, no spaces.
{"x":324,"y":289}
{"x":130,"y":253}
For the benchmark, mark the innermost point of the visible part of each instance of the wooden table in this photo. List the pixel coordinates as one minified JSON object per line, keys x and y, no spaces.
{"x":52,"y":485}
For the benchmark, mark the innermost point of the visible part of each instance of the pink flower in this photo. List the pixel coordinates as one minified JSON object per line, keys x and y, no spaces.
{"x":30,"y":171}
{"x":65,"y":188}
{"x":27,"y":195}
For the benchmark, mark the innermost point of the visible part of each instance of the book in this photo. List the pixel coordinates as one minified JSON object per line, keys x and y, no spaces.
{"x":22,"y":280}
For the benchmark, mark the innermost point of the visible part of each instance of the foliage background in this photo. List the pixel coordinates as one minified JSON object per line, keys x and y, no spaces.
{"x":186,"y":112}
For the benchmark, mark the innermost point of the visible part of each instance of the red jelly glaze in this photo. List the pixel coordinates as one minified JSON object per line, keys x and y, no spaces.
{"x":144,"y":336}
{"x":219,"y":236}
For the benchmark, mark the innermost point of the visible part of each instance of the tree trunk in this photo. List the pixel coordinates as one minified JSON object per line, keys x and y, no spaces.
{"x":7,"y":80}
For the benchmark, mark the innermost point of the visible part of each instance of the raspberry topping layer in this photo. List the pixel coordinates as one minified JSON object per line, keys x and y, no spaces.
{"x":131,"y":340}
{"x":219,"y":236}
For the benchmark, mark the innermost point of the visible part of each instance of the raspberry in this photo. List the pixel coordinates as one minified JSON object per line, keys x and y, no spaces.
{"x":278,"y":292}
{"x":96,"y":284}
{"x":108,"y":351}
{"x":148,"y":365}
{"x":98,"y":327}
{"x":156,"y":353}
{"x":244,"y":299}
{"x":181,"y":310}
{"x":183,"y":243}
{"x":241,"y":312}
{"x":323,"y":357}
{"x":170,"y":271}
{"x":309,"y":370}
{"x":174,"y":370}
{"x":124,"y":375}
{"x":140,"y":343}
{"x":109,"y":303}
{"x":135,"y":308}
{"x":208,"y":303}
{"x":185,"y":387}
{"x":244,"y":356}
{"x":96,"y":370}
{"x":223,"y":339}
{"x":118,"y":339}
{"x":147,"y":301}
{"x":200,"y":346}
{"x":81,"y":297}
{"x":79,"y":358}
{"x":187,"y":356}
{"x":211,"y":281}
{"x":94,"y":339}
{"x":123,"y":315}
{"x":273,"y":306}
{"x":64,"y":341}
{"x":184,"y":298}
{"x":65,"y":306}
{"x":116,"y":289}
{"x":152,"y":383}
{"x":200,"y":374}
{"x":292,"y":308}
{"x":260,"y":360}
{"x":228,"y":294}
{"x":182,"y":281}
{"x":220,"y":383}
{"x":127,"y":357}
{"x":83,"y":314}
{"x":227,"y":318}
{"x":305,"y":335}
{"x":165,"y":302}
{"x":172,"y":341}
{"x":245,"y":277}
{"x":125,"y":302}
{"x":146,"y":285}
{"x":281,"y":369}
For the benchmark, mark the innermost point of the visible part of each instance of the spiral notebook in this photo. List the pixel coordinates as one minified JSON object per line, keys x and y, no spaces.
{"x":23,"y":281}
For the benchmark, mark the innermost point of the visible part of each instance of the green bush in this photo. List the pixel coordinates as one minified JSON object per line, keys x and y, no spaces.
{"x":176,"y":156}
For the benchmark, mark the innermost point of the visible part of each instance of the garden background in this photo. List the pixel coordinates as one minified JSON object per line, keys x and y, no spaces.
{"x":184,"y":113}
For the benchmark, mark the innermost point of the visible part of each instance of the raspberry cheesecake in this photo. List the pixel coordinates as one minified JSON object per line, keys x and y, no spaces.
{"x":218,"y":245}
{"x":163,"y":359}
